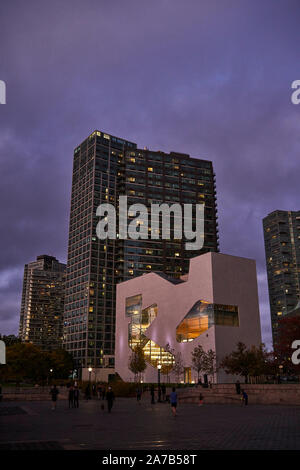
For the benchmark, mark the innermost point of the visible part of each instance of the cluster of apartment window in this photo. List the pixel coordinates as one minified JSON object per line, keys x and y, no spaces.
{"x":282,"y":248}
{"x":42,"y":305}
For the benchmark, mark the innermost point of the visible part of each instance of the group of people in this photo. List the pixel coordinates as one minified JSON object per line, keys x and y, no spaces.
{"x":73,"y":396}
{"x":162,"y":397}
{"x":161,"y":393}
{"x":102,"y":394}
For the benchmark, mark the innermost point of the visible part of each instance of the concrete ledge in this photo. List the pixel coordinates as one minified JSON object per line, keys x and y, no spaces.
{"x":268,"y":394}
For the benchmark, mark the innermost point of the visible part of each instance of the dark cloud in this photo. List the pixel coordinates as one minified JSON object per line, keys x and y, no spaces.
{"x":208,"y":78}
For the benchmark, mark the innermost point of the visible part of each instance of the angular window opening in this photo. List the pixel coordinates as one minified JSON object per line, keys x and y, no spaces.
{"x":202,"y":316}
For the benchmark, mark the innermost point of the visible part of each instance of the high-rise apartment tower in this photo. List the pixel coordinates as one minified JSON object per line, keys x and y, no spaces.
{"x":106,"y":167}
{"x":282,"y":247}
{"x":42,"y":305}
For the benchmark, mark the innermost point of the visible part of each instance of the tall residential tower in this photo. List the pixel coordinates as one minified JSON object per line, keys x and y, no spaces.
{"x":42,"y":305}
{"x":104,"y":168}
{"x":282,"y":246}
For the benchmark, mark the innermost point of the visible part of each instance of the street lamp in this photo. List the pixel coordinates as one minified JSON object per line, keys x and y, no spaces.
{"x":158,"y":380}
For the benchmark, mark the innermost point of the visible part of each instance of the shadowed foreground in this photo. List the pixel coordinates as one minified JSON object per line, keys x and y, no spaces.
{"x":133,"y":426}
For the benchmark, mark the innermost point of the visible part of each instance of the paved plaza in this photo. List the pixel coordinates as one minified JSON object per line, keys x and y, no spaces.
{"x":30,"y":425}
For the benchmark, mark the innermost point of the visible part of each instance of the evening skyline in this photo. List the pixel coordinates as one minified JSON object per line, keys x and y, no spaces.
{"x":210,"y":78}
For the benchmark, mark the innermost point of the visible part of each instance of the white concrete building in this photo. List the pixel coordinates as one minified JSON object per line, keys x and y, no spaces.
{"x":215,"y":305}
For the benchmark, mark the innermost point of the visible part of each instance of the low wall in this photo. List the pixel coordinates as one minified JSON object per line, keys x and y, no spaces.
{"x":269,"y":394}
{"x":31,"y":394}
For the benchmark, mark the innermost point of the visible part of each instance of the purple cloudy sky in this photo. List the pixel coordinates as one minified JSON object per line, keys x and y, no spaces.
{"x":205,"y":77}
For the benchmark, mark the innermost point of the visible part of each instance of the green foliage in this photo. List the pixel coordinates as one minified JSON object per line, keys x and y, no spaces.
{"x":24,"y":361}
{"x":198,"y":359}
{"x":204,"y":362}
{"x":246,"y":362}
{"x":210,"y":363}
{"x":123,"y":389}
{"x":137,"y":363}
{"x":61,"y":362}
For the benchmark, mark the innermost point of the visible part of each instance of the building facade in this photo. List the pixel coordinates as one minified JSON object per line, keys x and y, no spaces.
{"x":282,"y":249}
{"x":215,"y":305}
{"x":104,"y":168}
{"x":42,"y":305}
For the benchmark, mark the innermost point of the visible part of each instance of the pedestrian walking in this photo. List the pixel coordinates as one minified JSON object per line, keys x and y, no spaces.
{"x":159,"y":394}
{"x":163,"y":391}
{"x":87,"y":392}
{"x":99,"y":392}
{"x":110,"y":397}
{"x":54,"y":393}
{"x":71,"y":397}
{"x":201,"y":399}
{"x":76,"y":397}
{"x":152,"y":394}
{"x":173,"y":400}
{"x":138,"y":394}
{"x":244,"y":398}
{"x":238,"y":387}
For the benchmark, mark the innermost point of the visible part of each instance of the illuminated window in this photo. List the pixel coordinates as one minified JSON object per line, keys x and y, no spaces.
{"x":150,"y":168}
{"x":202,"y":316}
{"x":140,"y":322}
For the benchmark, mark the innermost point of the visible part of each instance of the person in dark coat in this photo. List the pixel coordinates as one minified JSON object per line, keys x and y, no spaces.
{"x":87,"y":392}
{"x":152,"y":394}
{"x":110,"y":397}
{"x":163,"y":391}
{"x":138,"y":393}
{"x":244,"y":397}
{"x":54,"y":393}
{"x":238,"y":387}
{"x":71,"y":397}
{"x":76,"y":397}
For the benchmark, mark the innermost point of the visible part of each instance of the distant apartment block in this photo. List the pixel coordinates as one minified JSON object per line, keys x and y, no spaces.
{"x":41,"y":318}
{"x":282,"y":248}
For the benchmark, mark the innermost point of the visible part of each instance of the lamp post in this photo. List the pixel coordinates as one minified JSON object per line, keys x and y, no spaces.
{"x":280,"y":372}
{"x":50,"y":370}
{"x":90,"y":373}
{"x":158,"y":380}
